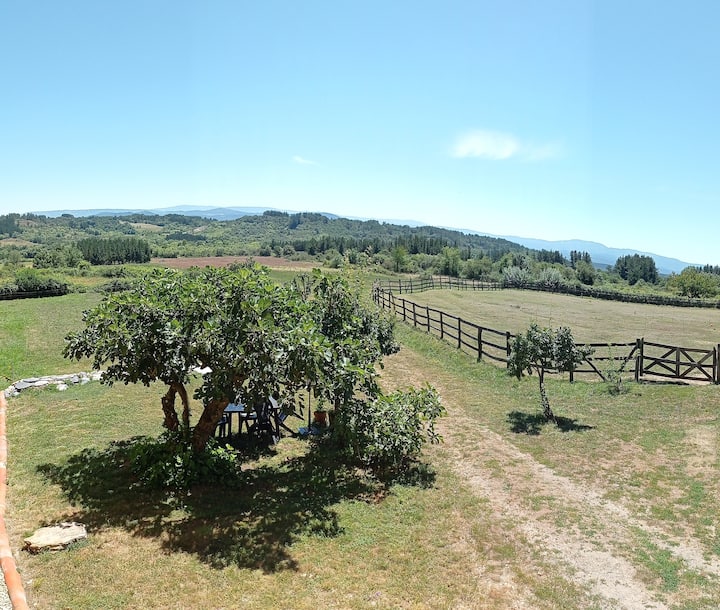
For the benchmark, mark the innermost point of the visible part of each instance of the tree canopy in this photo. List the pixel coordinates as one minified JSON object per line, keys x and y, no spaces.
{"x":636,"y":267}
{"x":694,"y":283}
{"x":257,"y":338}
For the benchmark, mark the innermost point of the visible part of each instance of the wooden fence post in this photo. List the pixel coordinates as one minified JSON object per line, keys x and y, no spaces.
{"x":442,"y":326}
{"x":427,"y":317}
{"x":508,"y":348}
{"x":414,"y":316}
{"x":639,"y":360}
{"x":716,"y":369}
{"x":480,"y":345}
{"x":459,"y":339}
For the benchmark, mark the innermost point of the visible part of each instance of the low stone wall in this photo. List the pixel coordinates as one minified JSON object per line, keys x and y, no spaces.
{"x":61,"y":382}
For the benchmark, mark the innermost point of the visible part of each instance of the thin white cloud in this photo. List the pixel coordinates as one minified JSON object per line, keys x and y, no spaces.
{"x":498,"y":146}
{"x":302,"y":161}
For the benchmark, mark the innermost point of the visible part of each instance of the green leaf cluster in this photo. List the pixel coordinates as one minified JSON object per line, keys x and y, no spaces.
{"x":390,"y":430}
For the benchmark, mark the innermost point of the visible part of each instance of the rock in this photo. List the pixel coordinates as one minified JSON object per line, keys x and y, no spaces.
{"x":22,"y":385}
{"x":55,"y":537}
{"x":40,"y":383}
{"x":62,"y":387}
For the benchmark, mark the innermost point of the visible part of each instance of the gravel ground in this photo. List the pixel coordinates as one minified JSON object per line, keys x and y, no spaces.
{"x":4,"y":598}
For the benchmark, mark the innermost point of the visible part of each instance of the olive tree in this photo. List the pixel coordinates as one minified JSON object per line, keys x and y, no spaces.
{"x":541,"y":350}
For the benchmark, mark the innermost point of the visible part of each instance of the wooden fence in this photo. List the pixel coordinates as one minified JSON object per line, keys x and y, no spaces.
{"x":639,"y":357}
{"x":437,"y":283}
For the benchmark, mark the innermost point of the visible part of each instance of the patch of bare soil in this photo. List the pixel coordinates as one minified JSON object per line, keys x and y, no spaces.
{"x":702,"y":449}
{"x":593,"y":549}
{"x":272,"y":262}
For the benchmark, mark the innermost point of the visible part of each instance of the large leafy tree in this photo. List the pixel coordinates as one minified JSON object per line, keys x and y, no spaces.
{"x":636,"y":267}
{"x":541,"y":350}
{"x":694,"y":283}
{"x":257,"y":338}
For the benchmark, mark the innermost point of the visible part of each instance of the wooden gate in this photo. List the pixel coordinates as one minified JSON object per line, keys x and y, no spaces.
{"x":682,"y":363}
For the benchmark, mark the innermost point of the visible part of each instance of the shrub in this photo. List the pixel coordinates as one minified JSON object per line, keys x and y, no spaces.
{"x":585,"y":273}
{"x":389,"y":431}
{"x":29,"y":280}
{"x":169,"y":462}
{"x":116,"y":285}
{"x":516,"y":277}
{"x":113,"y":271}
{"x":550,"y":278}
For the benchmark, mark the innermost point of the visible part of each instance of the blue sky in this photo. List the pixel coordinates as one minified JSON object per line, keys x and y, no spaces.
{"x":548,"y":119}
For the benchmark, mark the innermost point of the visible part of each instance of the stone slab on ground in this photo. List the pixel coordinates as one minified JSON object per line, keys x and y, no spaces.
{"x":55,"y":537}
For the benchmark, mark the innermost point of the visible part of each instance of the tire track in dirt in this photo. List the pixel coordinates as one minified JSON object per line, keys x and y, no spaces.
{"x":590,"y":549}
{"x":604,"y":573}
{"x":613,"y":516}
{"x":592,"y":560}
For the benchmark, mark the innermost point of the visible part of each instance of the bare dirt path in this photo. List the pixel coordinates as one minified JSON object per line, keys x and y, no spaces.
{"x":594,"y":548}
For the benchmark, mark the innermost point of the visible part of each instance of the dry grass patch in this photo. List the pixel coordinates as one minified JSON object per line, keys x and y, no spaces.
{"x":588,"y":497}
{"x":272,"y":262}
{"x":591,"y":320}
{"x":14,"y":241}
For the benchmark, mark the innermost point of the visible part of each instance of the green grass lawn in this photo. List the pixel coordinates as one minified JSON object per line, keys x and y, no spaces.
{"x":32,"y":333}
{"x":303,"y":531}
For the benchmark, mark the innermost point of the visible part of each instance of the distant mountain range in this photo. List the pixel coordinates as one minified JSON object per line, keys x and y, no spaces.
{"x":602,"y":256}
{"x":216,"y":213}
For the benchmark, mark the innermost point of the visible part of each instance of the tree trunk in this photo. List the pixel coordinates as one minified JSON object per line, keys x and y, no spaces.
{"x":170,"y":420}
{"x":547,"y":411}
{"x":206,"y":424}
{"x":186,"y":405}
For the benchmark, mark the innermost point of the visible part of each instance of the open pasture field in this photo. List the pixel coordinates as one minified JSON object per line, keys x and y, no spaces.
{"x":273,"y":262}
{"x":618,"y":508}
{"x":591,"y":320}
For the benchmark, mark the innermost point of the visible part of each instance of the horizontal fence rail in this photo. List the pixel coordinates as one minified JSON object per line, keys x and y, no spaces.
{"x":639,"y":358}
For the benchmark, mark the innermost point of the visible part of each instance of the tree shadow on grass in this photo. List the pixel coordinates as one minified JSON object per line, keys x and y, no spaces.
{"x":532,"y":423}
{"x":251,"y":523}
